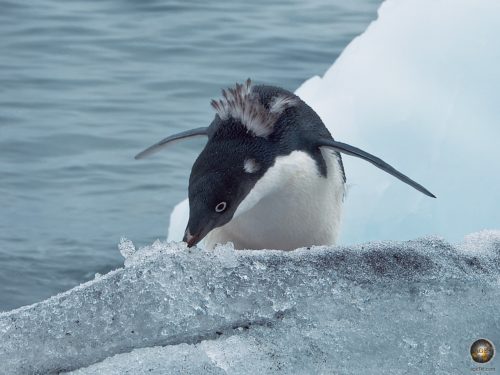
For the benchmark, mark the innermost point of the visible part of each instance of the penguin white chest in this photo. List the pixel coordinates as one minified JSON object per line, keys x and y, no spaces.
{"x":291,"y":206}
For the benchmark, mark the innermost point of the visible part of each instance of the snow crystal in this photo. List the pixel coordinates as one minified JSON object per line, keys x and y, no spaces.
{"x":386,"y":307}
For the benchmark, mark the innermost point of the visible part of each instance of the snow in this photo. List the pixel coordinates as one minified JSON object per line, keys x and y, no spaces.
{"x":389,"y":307}
{"x":420,"y":90}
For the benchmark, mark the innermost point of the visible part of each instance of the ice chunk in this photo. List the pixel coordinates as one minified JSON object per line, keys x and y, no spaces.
{"x":126,"y":248}
{"x":485,"y":241}
{"x":420,"y":89}
{"x":386,"y":307}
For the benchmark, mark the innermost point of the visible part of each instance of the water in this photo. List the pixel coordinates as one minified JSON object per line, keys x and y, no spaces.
{"x":85,"y":85}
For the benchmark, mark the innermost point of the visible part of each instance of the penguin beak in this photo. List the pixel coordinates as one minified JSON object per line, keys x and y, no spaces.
{"x":196,"y":231}
{"x":200,"y":223}
{"x":190,"y":239}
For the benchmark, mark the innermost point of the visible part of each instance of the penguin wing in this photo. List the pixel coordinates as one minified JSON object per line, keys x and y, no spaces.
{"x":354,"y":151}
{"x":167,"y":141}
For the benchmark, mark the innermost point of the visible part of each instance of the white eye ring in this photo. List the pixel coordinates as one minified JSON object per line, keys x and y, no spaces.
{"x":220,"y":207}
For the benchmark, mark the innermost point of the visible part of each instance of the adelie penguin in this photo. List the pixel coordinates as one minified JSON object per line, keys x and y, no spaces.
{"x":270,"y":176}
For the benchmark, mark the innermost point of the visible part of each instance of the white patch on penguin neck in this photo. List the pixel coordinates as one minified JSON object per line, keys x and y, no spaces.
{"x":291,"y":206}
{"x":251,"y":166}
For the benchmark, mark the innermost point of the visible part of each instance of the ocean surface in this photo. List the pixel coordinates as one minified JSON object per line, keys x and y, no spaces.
{"x":85,"y":85}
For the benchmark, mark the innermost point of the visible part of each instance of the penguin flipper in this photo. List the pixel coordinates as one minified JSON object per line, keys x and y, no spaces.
{"x":167,"y":141}
{"x":379,"y":163}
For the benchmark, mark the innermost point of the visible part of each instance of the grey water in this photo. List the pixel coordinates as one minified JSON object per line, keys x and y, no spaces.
{"x":85,"y":85}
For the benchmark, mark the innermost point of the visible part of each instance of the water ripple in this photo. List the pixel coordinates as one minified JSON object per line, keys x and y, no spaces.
{"x":85,"y":85}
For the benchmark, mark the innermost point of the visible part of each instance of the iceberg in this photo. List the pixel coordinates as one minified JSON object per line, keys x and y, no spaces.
{"x":418,"y":88}
{"x":382,"y":307}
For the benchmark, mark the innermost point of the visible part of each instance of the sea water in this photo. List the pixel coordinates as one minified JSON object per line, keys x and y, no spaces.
{"x":85,"y":85}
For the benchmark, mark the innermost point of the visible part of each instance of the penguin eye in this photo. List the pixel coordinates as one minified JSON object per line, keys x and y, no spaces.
{"x":220,"y":207}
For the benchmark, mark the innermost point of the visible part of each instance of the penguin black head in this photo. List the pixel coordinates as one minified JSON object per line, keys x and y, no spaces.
{"x":222,"y":176}
{"x":253,"y":125}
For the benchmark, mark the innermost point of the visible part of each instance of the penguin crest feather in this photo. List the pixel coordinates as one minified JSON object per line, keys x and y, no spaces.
{"x":244,"y":105}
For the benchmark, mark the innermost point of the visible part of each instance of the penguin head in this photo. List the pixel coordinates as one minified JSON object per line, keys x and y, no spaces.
{"x":222,"y":176}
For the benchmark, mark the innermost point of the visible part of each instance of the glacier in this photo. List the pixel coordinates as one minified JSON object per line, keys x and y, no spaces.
{"x":383,"y":307}
{"x":419,"y":88}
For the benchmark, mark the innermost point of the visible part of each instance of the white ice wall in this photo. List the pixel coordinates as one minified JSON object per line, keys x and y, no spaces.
{"x":420,"y":88}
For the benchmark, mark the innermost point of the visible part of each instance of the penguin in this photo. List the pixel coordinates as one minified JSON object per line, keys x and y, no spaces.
{"x":270,"y":175}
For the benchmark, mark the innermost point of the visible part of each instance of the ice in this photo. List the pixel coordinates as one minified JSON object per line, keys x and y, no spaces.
{"x":383,"y":307}
{"x":486,"y":240}
{"x":126,"y":248}
{"x":419,"y":88}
